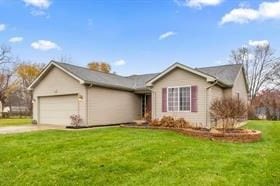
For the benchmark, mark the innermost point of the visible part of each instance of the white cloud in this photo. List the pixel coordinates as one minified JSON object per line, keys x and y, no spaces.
{"x":15,"y":39}
{"x":44,"y":45}
{"x":198,"y":3}
{"x":270,"y":9}
{"x":42,"y":4}
{"x":120,"y":62}
{"x":38,"y":12}
{"x":166,"y":35}
{"x":240,"y":15}
{"x":38,"y":7}
{"x":2,"y":27}
{"x":260,"y":43}
{"x":201,"y":3}
{"x":266,"y":10}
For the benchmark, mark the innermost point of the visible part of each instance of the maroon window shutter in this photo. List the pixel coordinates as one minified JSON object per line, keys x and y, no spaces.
{"x":194,"y":98}
{"x":164,"y":100}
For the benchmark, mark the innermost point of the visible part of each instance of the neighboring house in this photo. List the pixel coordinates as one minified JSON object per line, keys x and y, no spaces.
{"x":100,"y":98}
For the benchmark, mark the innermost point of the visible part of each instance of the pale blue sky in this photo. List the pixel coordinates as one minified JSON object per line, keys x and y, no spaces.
{"x":138,"y":36}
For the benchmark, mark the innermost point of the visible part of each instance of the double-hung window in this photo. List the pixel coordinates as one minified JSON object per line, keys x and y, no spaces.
{"x":179,"y":99}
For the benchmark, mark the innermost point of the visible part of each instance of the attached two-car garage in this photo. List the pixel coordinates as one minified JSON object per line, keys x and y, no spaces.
{"x":57,"y":109}
{"x":59,"y":92}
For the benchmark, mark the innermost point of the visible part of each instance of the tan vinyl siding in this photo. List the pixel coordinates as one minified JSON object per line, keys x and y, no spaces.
{"x":213,"y":94}
{"x":179,"y":77}
{"x":109,"y":106}
{"x":58,"y":83}
{"x":240,"y":87}
{"x":228,"y":93}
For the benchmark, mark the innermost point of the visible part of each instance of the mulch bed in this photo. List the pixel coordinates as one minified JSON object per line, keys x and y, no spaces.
{"x":232,"y":135}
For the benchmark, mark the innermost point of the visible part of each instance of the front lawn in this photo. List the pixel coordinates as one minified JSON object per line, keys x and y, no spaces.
{"x":14,"y":121}
{"x":123,"y":156}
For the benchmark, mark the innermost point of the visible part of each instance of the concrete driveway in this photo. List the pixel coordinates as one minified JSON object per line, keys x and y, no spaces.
{"x":27,"y":128}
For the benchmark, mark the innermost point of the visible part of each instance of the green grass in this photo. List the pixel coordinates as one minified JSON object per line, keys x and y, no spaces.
{"x":122,"y":156}
{"x":14,"y":121}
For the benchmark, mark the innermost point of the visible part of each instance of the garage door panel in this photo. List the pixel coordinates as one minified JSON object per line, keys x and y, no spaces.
{"x":57,"y":109}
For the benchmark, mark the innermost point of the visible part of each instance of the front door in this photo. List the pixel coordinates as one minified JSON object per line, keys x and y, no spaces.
{"x":146,"y":105}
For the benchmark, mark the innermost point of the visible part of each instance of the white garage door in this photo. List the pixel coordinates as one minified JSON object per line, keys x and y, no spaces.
{"x":57,"y":109}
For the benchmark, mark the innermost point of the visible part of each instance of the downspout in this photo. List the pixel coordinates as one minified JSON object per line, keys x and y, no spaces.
{"x":207,"y":88}
{"x":87,"y":112}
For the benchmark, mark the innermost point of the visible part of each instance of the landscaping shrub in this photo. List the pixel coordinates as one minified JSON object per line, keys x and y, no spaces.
{"x":167,"y":121}
{"x":155,"y":123}
{"x":75,"y":120}
{"x":182,"y":123}
{"x":229,"y":111}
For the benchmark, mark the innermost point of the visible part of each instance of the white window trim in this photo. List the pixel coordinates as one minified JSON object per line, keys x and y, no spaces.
{"x":179,"y":98}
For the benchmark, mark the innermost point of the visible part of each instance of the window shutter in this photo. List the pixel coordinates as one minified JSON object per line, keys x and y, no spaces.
{"x":194,"y":98}
{"x":164,"y":100}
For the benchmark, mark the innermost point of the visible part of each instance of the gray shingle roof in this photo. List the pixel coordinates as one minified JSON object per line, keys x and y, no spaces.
{"x":140,"y":80}
{"x":107,"y":79}
{"x":98,"y":78}
{"x":226,"y":74}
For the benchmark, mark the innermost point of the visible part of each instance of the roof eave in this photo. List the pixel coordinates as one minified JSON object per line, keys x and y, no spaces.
{"x":108,"y":86}
{"x":224,"y":85}
{"x":45,"y":70}
{"x":184,"y":67}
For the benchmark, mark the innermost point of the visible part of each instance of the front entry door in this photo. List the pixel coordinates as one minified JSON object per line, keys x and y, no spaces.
{"x":146,"y":104}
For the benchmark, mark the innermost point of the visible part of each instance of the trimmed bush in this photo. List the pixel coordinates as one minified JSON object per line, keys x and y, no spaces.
{"x":167,"y":121}
{"x":155,"y":122}
{"x":75,"y":120}
{"x":182,"y":123}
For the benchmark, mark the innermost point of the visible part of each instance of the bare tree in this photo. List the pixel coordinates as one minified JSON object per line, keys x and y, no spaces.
{"x":64,"y":59}
{"x":275,"y":77}
{"x":5,"y":78}
{"x":267,"y":103}
{"x":5,"y":73}
{"x":26,"y":72}
{"x":259,"y":63}
{"x":5,"y":54}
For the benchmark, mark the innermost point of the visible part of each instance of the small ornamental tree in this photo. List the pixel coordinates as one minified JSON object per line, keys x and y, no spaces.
{"x":76,"y":120}
{"x":229,"y":111}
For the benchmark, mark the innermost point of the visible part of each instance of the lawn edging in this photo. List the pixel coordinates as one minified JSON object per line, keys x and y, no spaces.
{"x":244,"y":136}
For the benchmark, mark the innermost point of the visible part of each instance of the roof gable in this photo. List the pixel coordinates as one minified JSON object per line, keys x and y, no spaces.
{"x":208,"y":77}
{"x":47,"y":69}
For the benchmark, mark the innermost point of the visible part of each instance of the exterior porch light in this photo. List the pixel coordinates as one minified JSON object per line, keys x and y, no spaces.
{"x":33,"y":100}
{"x":80,"y":98}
